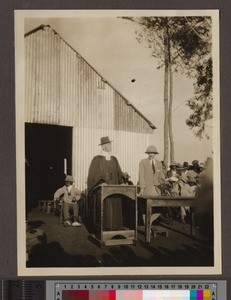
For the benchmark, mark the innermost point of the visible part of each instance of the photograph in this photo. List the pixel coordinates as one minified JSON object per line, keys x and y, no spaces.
{"x":118,"y":142}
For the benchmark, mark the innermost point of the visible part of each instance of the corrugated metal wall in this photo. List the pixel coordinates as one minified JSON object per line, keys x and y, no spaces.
{"x":128,"y":147}
{"x":63,"y":89}
{"x":126,"y":118}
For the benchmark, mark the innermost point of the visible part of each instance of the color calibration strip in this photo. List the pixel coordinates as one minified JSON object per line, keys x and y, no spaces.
{"x":136,"y":295}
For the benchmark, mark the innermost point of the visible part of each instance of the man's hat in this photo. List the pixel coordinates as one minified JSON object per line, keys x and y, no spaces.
{"x":174,"y":163}
{"x":185,"y":164}
{"x":69,"y":178}
{"x":195,"y":162}
{"x":104,"y":140}
{"x":180,"y":167}
{"x":151,"y":149}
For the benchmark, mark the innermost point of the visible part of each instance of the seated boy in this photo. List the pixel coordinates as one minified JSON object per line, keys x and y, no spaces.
{"x":70,"y":196}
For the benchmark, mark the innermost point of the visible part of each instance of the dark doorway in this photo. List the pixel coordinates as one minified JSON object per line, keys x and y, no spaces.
{"x":48,"y":150}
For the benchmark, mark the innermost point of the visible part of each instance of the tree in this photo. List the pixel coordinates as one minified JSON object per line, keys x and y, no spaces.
{"x":202,"y":103}
{"x":166,"y":92}
{"x":195,"y":43}
{"x":181,"y":44}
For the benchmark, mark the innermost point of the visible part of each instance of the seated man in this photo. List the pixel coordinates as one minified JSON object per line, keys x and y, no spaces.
{"x":70,"y":196}
{"x":185,"y":189}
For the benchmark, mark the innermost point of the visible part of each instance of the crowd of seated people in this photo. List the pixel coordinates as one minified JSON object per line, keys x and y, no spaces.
{"x":182,"y":180}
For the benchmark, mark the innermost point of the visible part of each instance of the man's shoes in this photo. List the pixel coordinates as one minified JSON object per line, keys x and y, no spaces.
{"x":76,"y":224}
{"x":67,"y":223}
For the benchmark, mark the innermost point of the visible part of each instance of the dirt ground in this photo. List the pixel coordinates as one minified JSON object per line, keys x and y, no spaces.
{"x":53,"y":245}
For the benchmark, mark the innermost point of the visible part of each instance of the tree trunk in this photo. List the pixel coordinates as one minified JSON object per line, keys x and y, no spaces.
{"x":166,"y":93}
{"x":170,"y":112}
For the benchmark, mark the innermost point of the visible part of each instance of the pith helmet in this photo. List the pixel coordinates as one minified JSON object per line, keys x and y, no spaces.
{"x":151,"y":149}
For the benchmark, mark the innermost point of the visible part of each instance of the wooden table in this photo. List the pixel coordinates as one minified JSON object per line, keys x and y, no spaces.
{"x":165,"y":201}
{"x":105,"y":238}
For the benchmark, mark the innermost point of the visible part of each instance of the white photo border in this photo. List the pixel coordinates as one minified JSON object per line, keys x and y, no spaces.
{"x":20,"y":16}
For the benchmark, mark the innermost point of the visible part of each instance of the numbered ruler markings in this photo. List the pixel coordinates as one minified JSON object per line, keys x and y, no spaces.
{"x":134,"y":286}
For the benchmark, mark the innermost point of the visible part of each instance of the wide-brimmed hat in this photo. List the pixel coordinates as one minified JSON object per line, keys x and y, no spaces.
{"x":151,"y":149}
{"x":104,"y":140}
{"x":180,"y":167}
{"x":69,"y":178}
{"x":174,"y":163}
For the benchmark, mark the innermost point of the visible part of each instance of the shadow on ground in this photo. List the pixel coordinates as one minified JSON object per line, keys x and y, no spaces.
{"x":53,"y":255}
{"x":70,"y":247}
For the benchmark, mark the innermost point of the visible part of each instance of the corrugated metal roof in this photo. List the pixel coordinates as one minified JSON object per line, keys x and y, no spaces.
{"x":120,"y":100}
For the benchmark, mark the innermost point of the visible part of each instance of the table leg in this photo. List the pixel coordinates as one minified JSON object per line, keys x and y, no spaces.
{"x":44,"y":206}
{"x":49,"y":207}
{"x":192,"y":222}
{"x":148,"y":221}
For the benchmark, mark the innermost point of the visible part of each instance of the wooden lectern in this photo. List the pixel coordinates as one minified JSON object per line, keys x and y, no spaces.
{"x":124,"y":236}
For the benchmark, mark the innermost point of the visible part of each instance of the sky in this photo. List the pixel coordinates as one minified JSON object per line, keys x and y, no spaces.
{"x":110,"y":46}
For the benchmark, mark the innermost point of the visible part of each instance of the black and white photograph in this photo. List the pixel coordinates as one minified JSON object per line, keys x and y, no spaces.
{"x":118,"y":142}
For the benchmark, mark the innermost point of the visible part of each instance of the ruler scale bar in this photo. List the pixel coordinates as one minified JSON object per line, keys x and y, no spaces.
{"x":112,"y":290}
{"x":135,"y":290}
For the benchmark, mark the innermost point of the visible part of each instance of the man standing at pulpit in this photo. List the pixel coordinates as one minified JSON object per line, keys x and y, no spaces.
{"x":105,"y":169}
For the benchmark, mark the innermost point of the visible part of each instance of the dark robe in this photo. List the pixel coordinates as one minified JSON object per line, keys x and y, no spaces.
{"x":108,"y":171}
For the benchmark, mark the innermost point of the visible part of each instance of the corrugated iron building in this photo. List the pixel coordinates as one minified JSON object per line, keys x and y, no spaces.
{"x":62,"y":89}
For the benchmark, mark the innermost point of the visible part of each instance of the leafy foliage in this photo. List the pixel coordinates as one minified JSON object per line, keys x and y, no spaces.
{"x":190,"y":41}
{"x":201,"y":104}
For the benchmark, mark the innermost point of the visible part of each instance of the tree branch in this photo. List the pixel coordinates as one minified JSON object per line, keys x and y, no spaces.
{"x":193,"y":29}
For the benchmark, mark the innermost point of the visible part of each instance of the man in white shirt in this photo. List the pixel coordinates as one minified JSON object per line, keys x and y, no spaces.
{"x":70,"y":196}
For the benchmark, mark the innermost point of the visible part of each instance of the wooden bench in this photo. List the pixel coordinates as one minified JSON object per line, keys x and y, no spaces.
{"x":165,"y":201}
